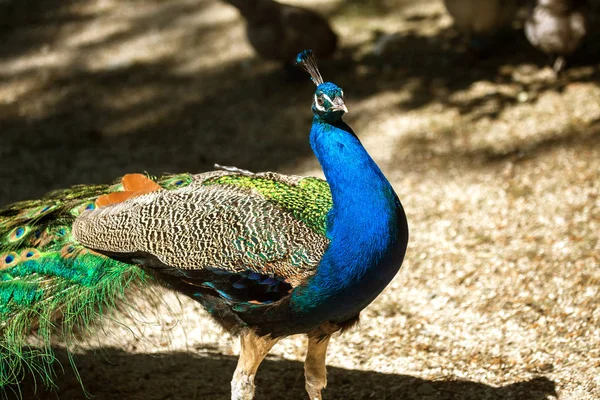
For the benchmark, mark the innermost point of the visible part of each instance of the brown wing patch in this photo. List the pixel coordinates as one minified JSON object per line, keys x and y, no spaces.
{"x":133,"y":185}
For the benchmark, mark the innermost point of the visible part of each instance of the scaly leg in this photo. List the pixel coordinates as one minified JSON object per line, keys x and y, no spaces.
{"x":254,"y":350}
{"x":315,"y":370}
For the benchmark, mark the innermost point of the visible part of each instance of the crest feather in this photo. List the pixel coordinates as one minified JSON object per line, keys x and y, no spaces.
{"x":307,"y":61}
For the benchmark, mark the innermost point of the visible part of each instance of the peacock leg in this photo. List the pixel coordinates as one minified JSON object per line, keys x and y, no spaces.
{"x":558,"y":65}
{"x":315,"y":370}
{"x":254,"y":350}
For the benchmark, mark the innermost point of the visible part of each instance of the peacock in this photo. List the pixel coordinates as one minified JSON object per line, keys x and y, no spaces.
{"x":268,"y":255}
{"x":277,"y":32}
{"x":557,"y":27}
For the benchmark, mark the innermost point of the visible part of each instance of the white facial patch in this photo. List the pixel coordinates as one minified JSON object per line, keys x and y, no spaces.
{"x":319,"y":107}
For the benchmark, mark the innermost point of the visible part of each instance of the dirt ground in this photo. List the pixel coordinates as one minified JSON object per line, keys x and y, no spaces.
{"x":497,"y":165}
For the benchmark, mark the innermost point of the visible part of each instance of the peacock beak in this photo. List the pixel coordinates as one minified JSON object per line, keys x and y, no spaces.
{"x":339,"y":105}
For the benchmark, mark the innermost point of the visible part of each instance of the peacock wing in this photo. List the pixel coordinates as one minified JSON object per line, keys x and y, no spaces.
{"x":245,"y":236}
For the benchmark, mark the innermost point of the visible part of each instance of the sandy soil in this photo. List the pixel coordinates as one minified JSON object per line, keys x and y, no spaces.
{"x":496,"y":163}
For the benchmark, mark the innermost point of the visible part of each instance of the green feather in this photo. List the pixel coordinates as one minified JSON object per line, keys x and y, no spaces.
{"x":49,"y":283}
{"x":175,"y":181}
{"x":309,"y":200}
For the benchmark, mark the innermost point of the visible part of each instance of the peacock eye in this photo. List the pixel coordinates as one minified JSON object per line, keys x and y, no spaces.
{"x":320,"y":101}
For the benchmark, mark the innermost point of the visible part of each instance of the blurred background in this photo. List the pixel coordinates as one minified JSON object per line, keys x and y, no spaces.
{"x":484,"y":115}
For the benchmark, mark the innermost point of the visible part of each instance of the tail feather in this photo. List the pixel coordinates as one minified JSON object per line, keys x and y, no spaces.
{"x":49,"y":283}
{"x":52,"y":285}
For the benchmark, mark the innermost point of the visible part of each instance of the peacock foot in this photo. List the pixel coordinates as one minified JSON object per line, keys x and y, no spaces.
{"x":314,"y":392}
{"x":242,"y":387}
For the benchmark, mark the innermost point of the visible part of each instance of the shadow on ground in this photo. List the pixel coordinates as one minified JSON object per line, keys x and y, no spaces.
{"x":113,"y":373}
{"x":578,"y":136}
{"x":434,"y":68}
{"x":75,"y":123}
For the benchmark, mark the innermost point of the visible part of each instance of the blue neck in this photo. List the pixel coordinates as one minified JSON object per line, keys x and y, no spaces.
{"x":367,"y":228}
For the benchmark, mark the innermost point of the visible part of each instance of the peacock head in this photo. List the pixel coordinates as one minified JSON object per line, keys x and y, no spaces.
{"x":328,"y":102}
